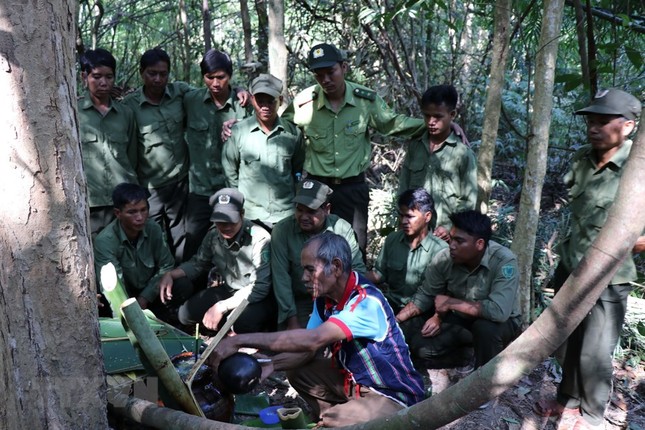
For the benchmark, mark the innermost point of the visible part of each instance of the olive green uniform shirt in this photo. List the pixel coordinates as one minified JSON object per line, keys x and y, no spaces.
{"x":163,"y":154}
{"x":449,"y":175}
{"x":141,"y":265}
{"x":494,"y":283}
{"x":203,"y":135}
{"x":337,"y":144}
{"x":402,"y":268}
{"x":287,"y":240}
{"x":243,"y":264}
{"x":264,"y":166}
{"x":592,"y":191}
{"x":109,"y":149}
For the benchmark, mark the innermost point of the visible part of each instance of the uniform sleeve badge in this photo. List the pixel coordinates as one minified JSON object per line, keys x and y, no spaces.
{"x":508,"y":271}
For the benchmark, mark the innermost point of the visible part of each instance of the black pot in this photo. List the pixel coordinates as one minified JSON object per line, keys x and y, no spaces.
{"x":239,"y":373}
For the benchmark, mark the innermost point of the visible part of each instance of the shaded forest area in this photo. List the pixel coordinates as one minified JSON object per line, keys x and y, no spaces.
{"x":400,"y":48}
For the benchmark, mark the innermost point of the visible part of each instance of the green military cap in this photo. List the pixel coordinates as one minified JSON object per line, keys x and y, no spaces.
{"x":311,"y":193}
{"x":613,"y":102}
{"x":324,"y":55}
{"x":227,"y":205}
{"x":266,"y":84}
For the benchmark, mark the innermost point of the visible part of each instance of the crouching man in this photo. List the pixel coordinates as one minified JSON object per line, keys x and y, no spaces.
{"x":469,"y":296}
{"x":238,"y":250}
{"x":370,"y":373}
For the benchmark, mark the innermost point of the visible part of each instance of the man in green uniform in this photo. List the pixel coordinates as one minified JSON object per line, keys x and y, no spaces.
{"x":439,"y":161}
{"x":238,"y":251}
{"x":163,"y":154}
{"x":264,"y":156}
{"x":136,"y":246}
{"x":206,"y":110}
{"x":469,"y":296}
{"x":335,"y":116}
{"x":592,"y":182}
{"x":108,"y":137}
{"x":400,"y":267}
{"x":287,"y":239}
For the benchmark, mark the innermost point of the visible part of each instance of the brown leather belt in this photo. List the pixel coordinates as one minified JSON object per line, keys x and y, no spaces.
{"x":358,"y":179}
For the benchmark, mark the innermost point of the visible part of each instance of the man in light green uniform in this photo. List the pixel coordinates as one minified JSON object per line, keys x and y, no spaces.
{"x":238,"y":252}
{"x":400,"y":267}
{"x":336,"y":116}
{"x":264,"y":156}
{"x":137,"y":248}
{"x":593,"y":182}
{"x":206,"y":110}
{"x":163,"y":154}
{"x":108,"y":137}
{"x":469,"y":296}
{"x":287,"y":239}
{"x":439,"y":161}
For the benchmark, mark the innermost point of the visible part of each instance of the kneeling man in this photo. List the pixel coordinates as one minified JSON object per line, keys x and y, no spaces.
{"x":370,"y":373}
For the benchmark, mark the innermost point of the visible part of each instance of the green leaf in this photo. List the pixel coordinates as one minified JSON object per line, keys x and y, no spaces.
{"x":635,"y":57}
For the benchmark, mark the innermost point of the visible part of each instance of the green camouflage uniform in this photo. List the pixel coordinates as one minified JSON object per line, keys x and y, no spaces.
{"x":287,"y":240}
{"x":141,"y":265}
{"x":109,"y":144}
{"x":403,"y":269}
{"x":449,"y":175}
{"x":264,"y":167}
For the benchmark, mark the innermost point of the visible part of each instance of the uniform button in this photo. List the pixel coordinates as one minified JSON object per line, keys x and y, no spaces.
{"x":336,"y":153}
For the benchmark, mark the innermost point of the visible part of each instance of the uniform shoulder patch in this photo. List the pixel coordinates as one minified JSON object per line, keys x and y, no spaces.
{"x":365,"y":94}
{"x":508,"y":271}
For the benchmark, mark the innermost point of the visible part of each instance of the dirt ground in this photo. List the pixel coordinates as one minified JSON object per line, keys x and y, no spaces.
{"x":514,"y":409}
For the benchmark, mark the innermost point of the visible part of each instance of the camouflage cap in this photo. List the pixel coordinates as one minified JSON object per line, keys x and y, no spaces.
{"x":311,"y":193}
{"x":227,"y":205}
{"x":613,"y":102}
{"x":324,"y":55}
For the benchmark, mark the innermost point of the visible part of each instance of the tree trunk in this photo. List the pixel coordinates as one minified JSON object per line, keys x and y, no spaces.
{"x":536,"y":159}
{"x":278,"y":53}
{"x":493,"y":102}
{"x":50,"y":358}
{"x":184,"y":37}
{"x":582,"y":43}
{"x":263,"y":30}
{"x":206,"y":19}
{"x":246,"y":28}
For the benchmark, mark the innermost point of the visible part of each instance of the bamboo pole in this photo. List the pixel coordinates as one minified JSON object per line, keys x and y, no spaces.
{"x":113,"y":288}
{"x":151,"y":415}
{"x":148,"y":342}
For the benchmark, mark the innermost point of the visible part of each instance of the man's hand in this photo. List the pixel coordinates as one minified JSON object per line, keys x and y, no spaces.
{"x":442,"y":304}
{"x":224,"y":349}
{"x":442,"y":233}
{"x":243,"y":96}
{"x":410,"y":310}
{"x":226,"y":129}
{"x":144,"y":303}
{"x":213,"y":316}
{"x":432,"y":327}
{"x":165,"y":288}
{"x":639,"y":246}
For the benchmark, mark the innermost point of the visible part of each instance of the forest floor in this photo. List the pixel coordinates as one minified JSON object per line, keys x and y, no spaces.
{"x":513,"y":410}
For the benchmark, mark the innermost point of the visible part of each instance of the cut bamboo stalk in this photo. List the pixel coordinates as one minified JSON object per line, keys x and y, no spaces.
{"x":113,"y":288}
{"x":217,"y":339}
{"x":151,"y":347}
